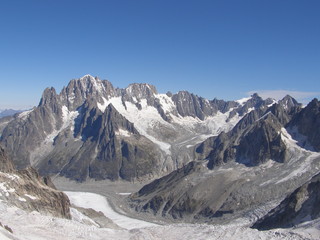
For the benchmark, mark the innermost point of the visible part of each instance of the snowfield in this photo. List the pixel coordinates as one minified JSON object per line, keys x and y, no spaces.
{"x":100,"y":203}
{"x":34,"y":226}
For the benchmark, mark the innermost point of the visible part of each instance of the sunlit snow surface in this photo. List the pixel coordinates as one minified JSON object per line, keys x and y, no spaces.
{"x":34,"y":226}
{"x":25,"y":114}
{"x":86,"y":200}
{"x":243,"y":100}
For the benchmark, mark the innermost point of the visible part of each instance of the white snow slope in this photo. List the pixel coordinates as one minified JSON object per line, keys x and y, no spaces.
{"x":34,"y":226}
{"x":85,"y":200}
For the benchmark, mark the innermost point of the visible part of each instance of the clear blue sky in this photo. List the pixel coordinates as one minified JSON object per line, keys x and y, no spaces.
{"x":222,"y":49}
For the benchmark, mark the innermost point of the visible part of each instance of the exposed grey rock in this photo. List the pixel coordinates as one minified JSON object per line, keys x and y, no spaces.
{"x":42,"y":139}
{"x":255,"y":138}
{"x":103,"y":154}
{"x":189,"y":104}
{"x":68,"y":134}
{"x":79,"y":90}
{"x":192,"y":105}
{"x":4,"y":121}
{"x":261,"y":143}
{"x":289,"y":102}
{"x":5,"y":164}
{"x":254,"y":102}
{"x":158,"y":195}
{"x":22,"y":135}
{"x":307,"y":123}
{"x":284,"y":114}
{"x":223,"y":106}
{"x":138,"y":91}
{"x":27,"y":190}
{"x":25,"y":135}
{"x":252,"y":141}
{"x":300,"y":206}
{"x":195,"y":193}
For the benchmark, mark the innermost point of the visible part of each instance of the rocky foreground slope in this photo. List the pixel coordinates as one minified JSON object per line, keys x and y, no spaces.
{"x":25,"y":189}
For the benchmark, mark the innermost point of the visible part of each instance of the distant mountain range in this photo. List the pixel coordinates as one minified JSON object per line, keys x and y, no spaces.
{"x":93,"y":130}
{"x":214,"y":159}
{"x":8,"y":112}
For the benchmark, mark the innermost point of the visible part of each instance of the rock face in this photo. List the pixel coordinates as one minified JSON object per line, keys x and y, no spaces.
{"x":106,"y":154}
{"x":4,"y":122}
{"x":93,"y":130}
{"x":27,"y":130}
{"x":255,"y":139}
{"x":300,"y":206}
{"x":5,"y":164}
{"x":307,"y":124}
{"x":27,"y":190}
{"x":232,"y":168}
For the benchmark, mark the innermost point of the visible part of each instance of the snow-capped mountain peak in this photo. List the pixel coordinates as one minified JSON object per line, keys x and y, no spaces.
{"x":171,"y":125}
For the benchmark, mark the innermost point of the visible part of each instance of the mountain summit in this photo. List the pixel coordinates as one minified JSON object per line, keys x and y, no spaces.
{"x":93,"y":130}
{"x":209,"y":159}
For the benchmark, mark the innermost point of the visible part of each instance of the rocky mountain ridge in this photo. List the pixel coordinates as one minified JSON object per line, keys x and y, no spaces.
{"x":217,"y":154}
{"x":146,"y":135}
{"x":254,"y":140}
{"x":233,"y":167}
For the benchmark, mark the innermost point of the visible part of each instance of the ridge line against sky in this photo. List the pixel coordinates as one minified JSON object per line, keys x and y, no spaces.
{"x":215,"y":49}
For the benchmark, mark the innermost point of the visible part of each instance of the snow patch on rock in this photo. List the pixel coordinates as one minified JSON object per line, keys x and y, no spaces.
{"x":25,"y":114}
{"x":242,"y":101}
